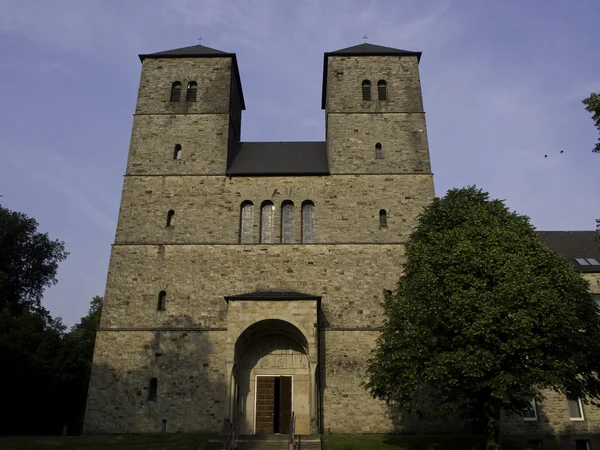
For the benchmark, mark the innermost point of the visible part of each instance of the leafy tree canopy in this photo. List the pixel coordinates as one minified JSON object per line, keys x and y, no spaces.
{"x":28,"y":262}
{"x":592,"y":104}
{"x":484,"y":318}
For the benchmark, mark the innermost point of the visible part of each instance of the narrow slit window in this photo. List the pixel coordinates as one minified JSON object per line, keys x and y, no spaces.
{"x":267,"y":222}
{"x":378,"y":152}
{"x":287,"y":222}
{"x":308,"y":222}
{"x":575,"y":409}
{"x":153,"y":389}
{"x":246,"y":218}
{"x":366,"y":90}
{"x":382,"y":218}
{"x":170,"y":218}
{"x":176,"y":91}
{"x":162,"y":301}
{"x":382,"y":90}
{"x":192,"y":89}
{"x":177,"y":152}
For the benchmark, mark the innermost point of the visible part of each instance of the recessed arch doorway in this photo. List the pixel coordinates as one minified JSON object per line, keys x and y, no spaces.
{"x":272,"y":378}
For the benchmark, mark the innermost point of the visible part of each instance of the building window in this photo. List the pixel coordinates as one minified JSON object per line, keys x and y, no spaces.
{"x":366,"y":90}
{"x":267,"y":222}
{"x":382,"y":90}
{"x":582,"y":444}
{"x":170,"y":218}
{"x":382,"y":218}
{"x":153,"y":391}
{"x":378,"y":153}
{"x":177,"y":152}
{"x":176,"y":91}
{"x":587,"y":261}
{"x":308,"y":222}
{"x":246,"y":218}
{"x":530,"y":412}
{"x":575,"y":409}
{"x":192,"y":89}
{"x":162,"y":299}
{"x":287,"y":222}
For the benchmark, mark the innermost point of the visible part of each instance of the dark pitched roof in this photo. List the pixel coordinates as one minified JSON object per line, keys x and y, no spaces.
{"x":273,"y":295}
{"x":194,"y":51}
{"x":574,"y":244}
{"x":279,"y":158}
{"x":200,"y":51}
{"x":363,"y":50}
{"x":373,"y":50}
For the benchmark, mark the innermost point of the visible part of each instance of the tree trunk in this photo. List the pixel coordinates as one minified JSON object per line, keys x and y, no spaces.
{"x":492,"y":426}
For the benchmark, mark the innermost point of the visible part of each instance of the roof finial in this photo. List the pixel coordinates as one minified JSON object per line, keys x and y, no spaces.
{"x":200,"y":41}
{"x":364,"y":38}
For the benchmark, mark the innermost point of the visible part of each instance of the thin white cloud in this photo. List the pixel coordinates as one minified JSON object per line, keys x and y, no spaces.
{"x":48,"y":175}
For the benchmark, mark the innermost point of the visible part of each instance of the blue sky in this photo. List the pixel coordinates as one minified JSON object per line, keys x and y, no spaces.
{"x":502,"y":83}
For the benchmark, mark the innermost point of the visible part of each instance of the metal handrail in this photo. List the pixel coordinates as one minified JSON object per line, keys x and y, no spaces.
{"x":292,"y":444}
{"x":234,"y":429}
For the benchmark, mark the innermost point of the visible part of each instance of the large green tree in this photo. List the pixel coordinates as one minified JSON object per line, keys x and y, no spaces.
{"x":592,"y":104}
{"x":485,"y":318}
{"x":28,"y":262}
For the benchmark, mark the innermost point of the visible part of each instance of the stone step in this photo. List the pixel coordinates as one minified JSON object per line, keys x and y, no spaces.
{"x":269,"y":442}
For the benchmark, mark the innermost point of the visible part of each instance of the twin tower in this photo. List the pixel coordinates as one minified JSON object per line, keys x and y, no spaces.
{"x":246,"y":278}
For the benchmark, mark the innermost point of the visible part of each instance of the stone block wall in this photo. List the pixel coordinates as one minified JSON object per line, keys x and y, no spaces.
{"x":190,"y":371}
{"x":351,"y":141}
{"x":207,"y":209}
{"x":350,"y":278}
{"x":213,"y":76}
{"x":345,"y":75}
{"x":203,"y":139}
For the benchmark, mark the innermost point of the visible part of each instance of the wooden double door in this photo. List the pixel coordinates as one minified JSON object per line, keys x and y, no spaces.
{"x":273,"y":404}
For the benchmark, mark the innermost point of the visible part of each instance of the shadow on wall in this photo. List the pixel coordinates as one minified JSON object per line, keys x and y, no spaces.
{"x":411,"y":423}
{"x":171,"y":380}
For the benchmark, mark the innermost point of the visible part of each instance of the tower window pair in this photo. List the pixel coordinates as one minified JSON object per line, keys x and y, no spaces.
{"x":381,"y":90}
{"x":190,"y":95}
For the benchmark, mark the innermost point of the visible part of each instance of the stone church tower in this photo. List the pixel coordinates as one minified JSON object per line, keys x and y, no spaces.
{"x":246,"y":278}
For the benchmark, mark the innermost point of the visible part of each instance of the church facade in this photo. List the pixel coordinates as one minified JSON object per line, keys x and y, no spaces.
{"x":246,"y":278}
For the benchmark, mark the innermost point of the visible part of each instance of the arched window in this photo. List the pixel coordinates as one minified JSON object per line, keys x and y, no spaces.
{"x":366,"y":90}
{"x":162,"y":301}
{"x":177,"y":152}
{"x":382,"y":218}
{"x":308,"y":222}
{"x":170,"y":218}
{"x":192,"y":88}
{"x":176,"y":91}
{"x":153,"y":390}
{"x":267,"y":222}
{"x":382,"y":90}
{"x":287,"y":222}
{"x":378,"y":153}
{"x":246,"y":218}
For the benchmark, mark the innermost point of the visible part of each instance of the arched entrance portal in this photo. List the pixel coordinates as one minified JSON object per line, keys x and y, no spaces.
{"x":272,"y":378}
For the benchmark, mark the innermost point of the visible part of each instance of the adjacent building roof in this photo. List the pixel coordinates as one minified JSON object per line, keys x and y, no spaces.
{"x":362,"y":50}
{"x":575,"y":245}
{"x":273,"y":295}
{"x":200,"y":51}
{"x":279,"y":158}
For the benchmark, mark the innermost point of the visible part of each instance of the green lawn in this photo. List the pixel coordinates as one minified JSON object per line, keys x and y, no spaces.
{"x":357,"y":442}
{"x":107,"y":442}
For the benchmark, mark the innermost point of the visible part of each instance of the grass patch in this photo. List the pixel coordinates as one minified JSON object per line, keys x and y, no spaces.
{"x":387,"y":442}
{"x":107,"y":442}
